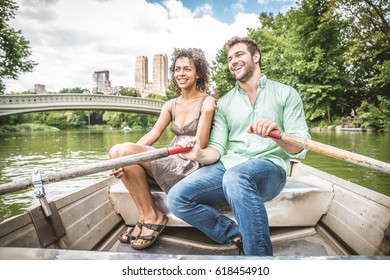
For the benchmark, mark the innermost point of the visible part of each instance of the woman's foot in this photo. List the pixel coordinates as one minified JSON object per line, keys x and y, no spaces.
{"x":131,"y":234}
{"x":149,"y":234}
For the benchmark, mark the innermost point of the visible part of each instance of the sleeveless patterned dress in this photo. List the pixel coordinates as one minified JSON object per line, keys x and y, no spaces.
{"x":170,"y":170}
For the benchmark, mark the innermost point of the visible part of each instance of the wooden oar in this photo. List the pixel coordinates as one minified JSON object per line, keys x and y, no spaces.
{"x":331,"y":151}
{"x":51,"y":176}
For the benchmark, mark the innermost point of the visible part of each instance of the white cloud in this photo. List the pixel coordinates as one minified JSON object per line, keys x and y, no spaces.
{"x":70,"y":39}
{"x":205,"y":9}
{"x":239,"y":5}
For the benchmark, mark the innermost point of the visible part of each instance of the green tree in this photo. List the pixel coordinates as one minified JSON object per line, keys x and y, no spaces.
{"x":277,"y":54}
{"x":136,"y":120}
{"x":56,"y":119}
{"x":376,"y":116}
{"x":303,"y":49}
{"x":96,"y":117}
{"x":132,"y":92}
{"x":14,"y":48}
{"x":15,"y":119}
{"x":320,"y":72}
{"x":114,"y":119}
{"x":221,"y":76}
{"x":171,"y":91}
{"x":367,"y":37}
{"x":155,"y":96}
{"x":72,"y":90}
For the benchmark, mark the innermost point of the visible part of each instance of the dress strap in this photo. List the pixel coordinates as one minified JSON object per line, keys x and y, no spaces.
{"x":200,"y":107}
{"x":173,"y":109}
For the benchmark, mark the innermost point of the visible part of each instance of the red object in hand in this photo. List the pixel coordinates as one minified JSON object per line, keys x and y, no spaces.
{"x":178,"y":149}
{"x":275,"y":134}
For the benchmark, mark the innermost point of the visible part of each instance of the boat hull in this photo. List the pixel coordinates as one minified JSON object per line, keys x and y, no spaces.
{"x":317,"y":214}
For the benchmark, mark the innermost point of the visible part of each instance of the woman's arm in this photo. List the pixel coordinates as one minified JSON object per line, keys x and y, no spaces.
{"x":162,"y":122}
{"x":205,"y":121}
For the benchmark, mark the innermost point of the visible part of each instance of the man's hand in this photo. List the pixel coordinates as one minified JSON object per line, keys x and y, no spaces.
{"x":263,"y":127}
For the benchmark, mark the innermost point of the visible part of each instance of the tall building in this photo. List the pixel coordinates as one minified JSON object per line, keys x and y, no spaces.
{"x":160,"y":75}
{"x":141,"y":72}
{"x":39,"y":89}
{"x":101,"y":82}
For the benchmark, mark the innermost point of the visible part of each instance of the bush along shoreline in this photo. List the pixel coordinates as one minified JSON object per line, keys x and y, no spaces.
{"x":27,"y":127}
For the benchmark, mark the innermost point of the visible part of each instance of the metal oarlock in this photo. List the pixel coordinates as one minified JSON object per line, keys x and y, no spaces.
{"x":39,"y":192}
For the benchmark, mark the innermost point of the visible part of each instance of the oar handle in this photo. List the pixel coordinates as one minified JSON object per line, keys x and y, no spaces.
{"x":178,"y":150}
{"x":275,"y":134}
{"x":330,"y":151}
{"x":51,"y":177}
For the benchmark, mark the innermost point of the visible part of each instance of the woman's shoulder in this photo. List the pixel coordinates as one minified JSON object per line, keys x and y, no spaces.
{"x":209,"y":103}
{"x":168,"y":105}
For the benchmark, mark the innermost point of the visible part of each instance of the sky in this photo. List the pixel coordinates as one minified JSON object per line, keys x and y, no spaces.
{"x":71,"y":39}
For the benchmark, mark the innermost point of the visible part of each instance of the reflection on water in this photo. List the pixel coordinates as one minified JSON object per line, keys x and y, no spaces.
{"x":21,"y":153}
{"x":373,"y":145}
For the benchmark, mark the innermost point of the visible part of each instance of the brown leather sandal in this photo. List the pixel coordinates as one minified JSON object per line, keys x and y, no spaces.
{"x":126,"y":236}
{"x":157,"y":229}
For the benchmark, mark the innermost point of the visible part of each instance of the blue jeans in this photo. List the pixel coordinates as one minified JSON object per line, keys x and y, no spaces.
{"x":245,"y":187}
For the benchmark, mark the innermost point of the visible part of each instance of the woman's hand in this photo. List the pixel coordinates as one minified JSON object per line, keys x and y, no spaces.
{"x":118,"y":173}
{"x":193,"y":142}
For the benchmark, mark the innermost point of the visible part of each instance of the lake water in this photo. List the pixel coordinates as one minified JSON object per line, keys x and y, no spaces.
{"x":21,"y":153}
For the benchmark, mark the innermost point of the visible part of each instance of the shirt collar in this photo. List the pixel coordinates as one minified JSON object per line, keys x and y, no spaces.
{"x":261,"y":84}
{"x":262,"y":81}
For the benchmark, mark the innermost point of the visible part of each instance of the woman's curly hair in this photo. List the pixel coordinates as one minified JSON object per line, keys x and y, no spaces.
{"x":201,"y":66}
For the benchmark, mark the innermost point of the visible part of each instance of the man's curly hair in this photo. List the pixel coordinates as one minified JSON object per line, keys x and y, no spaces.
{"x":201,"y":66}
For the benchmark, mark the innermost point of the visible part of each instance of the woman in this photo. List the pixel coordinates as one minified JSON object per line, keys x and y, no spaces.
{"x":191,"y":115}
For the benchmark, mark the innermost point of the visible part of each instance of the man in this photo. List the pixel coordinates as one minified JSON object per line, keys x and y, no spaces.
{"x":242,"y":165}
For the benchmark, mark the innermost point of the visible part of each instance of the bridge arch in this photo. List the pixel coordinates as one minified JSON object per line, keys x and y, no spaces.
{"x":29,"y":103}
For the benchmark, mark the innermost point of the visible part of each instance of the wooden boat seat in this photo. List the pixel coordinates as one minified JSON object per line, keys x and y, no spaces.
{"x":303,"y":201}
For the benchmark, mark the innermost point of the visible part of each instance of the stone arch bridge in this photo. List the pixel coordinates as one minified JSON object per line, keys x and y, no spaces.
{"x":23,"y":103}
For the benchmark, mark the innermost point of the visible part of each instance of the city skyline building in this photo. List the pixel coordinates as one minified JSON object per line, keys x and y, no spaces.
{"x":39,"y":89}
{"x":101,"y":82}
{"x":101,"y":79}
{"x":159,"y":84}
{"x":141,"y":72}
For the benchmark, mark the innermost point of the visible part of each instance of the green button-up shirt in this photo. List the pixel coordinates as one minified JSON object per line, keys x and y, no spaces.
{"x":274,"y":101}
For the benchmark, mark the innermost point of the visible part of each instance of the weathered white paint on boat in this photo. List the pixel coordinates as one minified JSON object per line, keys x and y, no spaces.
{"x":316,"y":214}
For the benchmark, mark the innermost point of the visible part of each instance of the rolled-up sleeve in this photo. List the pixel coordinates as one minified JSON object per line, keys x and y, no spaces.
{"x":294,"y":120}
{"x":219,"y":133}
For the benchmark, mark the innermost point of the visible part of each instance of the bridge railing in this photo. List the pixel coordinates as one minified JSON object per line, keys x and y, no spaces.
{"x":15,"y":104}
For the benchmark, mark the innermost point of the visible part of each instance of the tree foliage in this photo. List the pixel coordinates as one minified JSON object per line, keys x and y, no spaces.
{"x":318,"y":65}
{"x":335,"y":53}
{"x":133,"y":92}
{"x":223,"y":79}
{"x":367,"y":37}
{"x":14,"y":48}
{"x":72,"y":90}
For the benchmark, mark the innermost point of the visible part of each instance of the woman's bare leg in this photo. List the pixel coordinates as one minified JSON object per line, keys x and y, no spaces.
{"x":135,"y":180}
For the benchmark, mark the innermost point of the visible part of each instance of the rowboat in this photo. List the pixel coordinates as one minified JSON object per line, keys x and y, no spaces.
{"x":316,"y":215}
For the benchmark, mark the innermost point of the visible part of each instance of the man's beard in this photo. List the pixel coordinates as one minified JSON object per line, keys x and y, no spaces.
{"x":249,"y":70}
